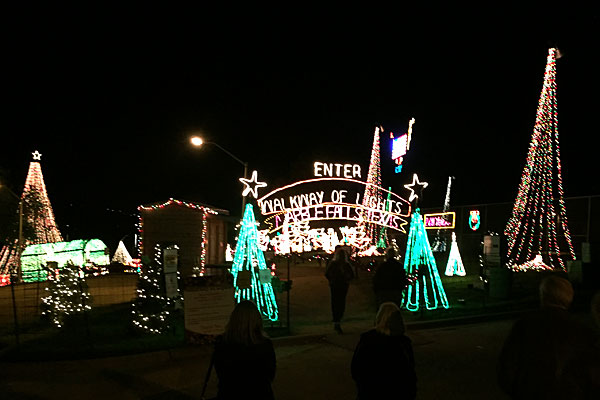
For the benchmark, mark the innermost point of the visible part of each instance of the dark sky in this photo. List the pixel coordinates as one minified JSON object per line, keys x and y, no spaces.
{"x":110,"y":98}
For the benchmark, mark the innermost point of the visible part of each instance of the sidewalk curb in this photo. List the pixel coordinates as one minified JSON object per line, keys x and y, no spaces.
{"x":471,"y":319}
{"x":186,"y":351}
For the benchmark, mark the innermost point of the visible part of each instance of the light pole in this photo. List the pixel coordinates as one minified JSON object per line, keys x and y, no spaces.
{"x":20,"y":240}
{"x":198,"y":141}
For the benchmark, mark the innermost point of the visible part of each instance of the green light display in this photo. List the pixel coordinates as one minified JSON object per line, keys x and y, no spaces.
{"x":79,"y":252}
{"x":251,"y":277}
{"x":425,"y":283}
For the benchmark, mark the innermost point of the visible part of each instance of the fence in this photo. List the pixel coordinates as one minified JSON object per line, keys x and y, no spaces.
{"x":119,"y":288}
{"x":105,"y":290}
{"x":582,"y":216}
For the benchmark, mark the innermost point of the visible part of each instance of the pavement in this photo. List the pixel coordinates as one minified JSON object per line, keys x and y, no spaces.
{"x":312,"y":363}
{"x":320,"y":360}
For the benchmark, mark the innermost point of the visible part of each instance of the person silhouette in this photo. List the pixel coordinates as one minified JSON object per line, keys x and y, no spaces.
{"x":244,"y":358}
{"x":546,"y":354}
{"x":383,"y":361}
{"x":339,"y":274}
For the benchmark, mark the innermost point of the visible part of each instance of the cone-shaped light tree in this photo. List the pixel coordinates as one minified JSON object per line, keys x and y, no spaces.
{"x":425,"y":287}
{"x":372,"y":195}
{"x":39,"y":225}
{"x":251,"y":276}
{"x":121,"y":255}
{"x":537,"y":233}
{"x":455,"y":265}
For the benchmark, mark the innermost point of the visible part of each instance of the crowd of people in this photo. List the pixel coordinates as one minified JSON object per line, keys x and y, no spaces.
{"x":547,"y":355}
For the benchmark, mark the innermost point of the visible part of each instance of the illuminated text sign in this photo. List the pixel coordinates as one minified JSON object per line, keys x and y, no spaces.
{"x":439,"y":220}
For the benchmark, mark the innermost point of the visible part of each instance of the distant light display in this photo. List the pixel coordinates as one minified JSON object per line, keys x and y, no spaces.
{"x":345,"y":203}
{"x":474,"y":219}
{"x":400,"y":146}
{"x":373,"y":189}
{"x":455,"y":265}
{"x":299,"y":238}
{"x":37,"y":213}
{"x":444,"y":220}
{"x":80,"y":253}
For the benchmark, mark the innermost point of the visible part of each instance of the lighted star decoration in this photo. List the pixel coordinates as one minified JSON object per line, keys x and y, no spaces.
{"x":36,"y":155}
{"x":252,"y":185}
{"x":411,"y":187}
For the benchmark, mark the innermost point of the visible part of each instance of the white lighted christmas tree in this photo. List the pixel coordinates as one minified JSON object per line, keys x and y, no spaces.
{"x":251,"y":276}
{"x":67,"y":294}
{"x":455,"y":265}
{"x":121,"y":255}
{"x":537,"y":232}
{"x":151,"y":308}
{"x":37,"y":216}
{"x":372,"y":196}
{"x":425,"y":287}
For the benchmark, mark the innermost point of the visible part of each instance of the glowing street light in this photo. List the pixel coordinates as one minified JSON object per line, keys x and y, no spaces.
{"x":197,"y":141}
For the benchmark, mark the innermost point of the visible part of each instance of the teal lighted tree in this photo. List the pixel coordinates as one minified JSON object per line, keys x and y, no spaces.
{"x":251,"y":276}
{"x":425,"y":287}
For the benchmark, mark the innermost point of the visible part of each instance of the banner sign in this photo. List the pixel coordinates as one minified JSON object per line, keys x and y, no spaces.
{"x":440,"y":220}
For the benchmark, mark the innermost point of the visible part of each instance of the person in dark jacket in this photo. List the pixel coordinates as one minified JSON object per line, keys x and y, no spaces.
{"x":244,"y":358}
{"x":547,"y":355}
{"x":383,"y":365}
{"x":390,"y":279}
{"x":339,"y":274}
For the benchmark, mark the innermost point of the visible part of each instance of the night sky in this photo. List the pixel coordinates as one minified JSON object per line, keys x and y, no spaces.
{"x":110,"y":100}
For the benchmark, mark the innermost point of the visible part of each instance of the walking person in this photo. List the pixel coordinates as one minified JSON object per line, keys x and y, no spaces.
{"x":547,"y":354}
{"x":244,"y":358}
{"x":390,"y":279}
{"x":383,"y":364}
{"x":339,"y":274}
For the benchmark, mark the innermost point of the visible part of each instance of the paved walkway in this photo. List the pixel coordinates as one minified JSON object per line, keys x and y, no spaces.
{"x":314,"y":353}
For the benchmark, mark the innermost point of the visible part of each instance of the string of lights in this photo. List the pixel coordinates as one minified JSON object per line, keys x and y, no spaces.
{"x":374,"y":182}
{"x":532,"y":230}
{"x":205,"y":210}
{"x":67,"y":294}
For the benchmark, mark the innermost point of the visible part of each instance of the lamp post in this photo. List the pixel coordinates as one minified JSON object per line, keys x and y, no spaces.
{"x":20,"y":240}
{"x":198,"y":141}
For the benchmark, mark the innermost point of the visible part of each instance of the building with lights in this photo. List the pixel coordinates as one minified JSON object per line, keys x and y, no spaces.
{"x":198,"y":230}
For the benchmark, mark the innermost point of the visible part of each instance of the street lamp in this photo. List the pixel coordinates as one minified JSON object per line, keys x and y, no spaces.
{"x":20,"y":242}
{"x":198,"y":142}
